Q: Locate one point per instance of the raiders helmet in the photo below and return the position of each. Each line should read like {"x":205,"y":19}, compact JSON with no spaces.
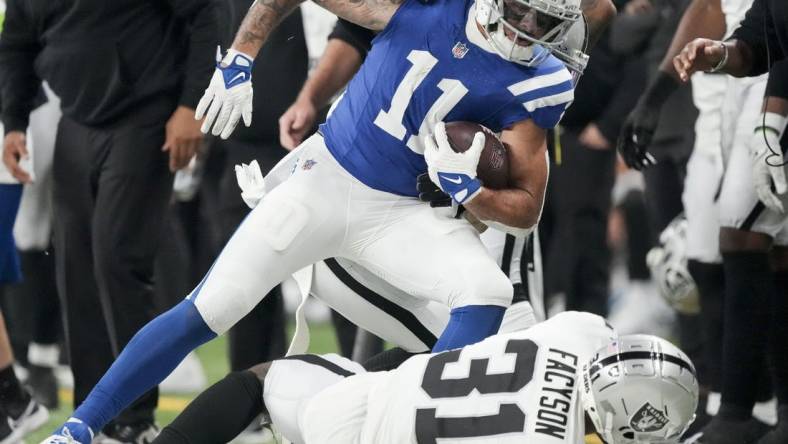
{"x":640,"y":389}
{"x":668,"y":264}
{"x":526,"y":31}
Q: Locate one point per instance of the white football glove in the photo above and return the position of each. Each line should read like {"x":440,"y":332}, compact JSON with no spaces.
{"x":251,"y":181}
{"x":768,"y":165}
{"x":454,"y":173}
{"x":229,"y":95}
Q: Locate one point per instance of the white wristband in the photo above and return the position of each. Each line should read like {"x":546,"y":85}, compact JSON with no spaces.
{"x":774,"y":121}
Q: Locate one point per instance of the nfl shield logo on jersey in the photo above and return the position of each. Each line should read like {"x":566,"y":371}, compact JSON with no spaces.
{"x":459,"y":50}
{"x":648,"y":419}
{"x":308,"y":164}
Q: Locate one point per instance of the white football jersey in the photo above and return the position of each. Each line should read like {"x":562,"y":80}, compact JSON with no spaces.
{"x":734,"y":11}
{"x":510,"y":388}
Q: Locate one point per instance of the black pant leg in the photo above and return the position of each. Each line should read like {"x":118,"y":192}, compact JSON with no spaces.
{"x":87,"y":340}
{"x":132,"y":193}
{"x":664,"y":186}
{"x":638,"y":235}
{"x":578,"y":261}
{"x":31,"y":306}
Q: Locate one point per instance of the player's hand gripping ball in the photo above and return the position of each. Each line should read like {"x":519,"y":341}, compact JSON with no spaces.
{"x":461,"y":156}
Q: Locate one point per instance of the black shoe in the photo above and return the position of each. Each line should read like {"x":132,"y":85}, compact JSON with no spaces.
{"x":726,"y":431}
{"x":43,"y":386}
{"x":138,"y":433}
{"x":28,"y":419}
{"x":779,"y":434}
{"x":7,"y":434}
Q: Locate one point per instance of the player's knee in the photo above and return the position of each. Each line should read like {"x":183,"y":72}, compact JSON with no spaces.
{"x":485,"y":289}
{"x":222,"y":305}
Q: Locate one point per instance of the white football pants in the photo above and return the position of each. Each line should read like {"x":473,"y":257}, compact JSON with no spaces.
{"x":320,"y":211}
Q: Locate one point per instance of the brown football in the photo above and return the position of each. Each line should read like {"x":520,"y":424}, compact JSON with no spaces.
{"x":493,"y":169}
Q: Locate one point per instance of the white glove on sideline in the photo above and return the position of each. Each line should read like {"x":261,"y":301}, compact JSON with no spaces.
{"x":454,"y":173}
{"x":768,"y":164}
{"x":229,"y":95}
{"x":251,"y":181}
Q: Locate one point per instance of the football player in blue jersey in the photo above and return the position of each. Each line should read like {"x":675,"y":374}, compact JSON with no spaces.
{"x":350,"y":191}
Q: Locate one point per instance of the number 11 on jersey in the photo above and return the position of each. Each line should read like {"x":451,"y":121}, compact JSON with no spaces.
{"x":452,"y":91}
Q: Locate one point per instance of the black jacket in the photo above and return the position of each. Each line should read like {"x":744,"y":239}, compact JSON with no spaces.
{"x":106,"y":59}
{"x":765,"y":30}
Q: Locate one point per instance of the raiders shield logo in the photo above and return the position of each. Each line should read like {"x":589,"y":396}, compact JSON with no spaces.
{"x":648,"y":419}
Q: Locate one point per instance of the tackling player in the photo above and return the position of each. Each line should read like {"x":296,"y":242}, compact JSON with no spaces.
{"x":543,"y":385}
{"x":352,"y":191}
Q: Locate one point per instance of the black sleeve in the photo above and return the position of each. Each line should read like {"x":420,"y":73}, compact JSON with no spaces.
{"x":354,"y":35}
{"x":778,"y":80}
{"x":624,"y":98}
{"x":757,"y":31}
{"x":18,"y":49}
{"x":203,"y":34}
{"x":631,"y":34}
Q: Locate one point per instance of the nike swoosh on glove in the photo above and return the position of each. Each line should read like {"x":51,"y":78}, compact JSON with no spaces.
{"x":768,"y":164}
{"x":229,"y":95}
{"x":74,"y":431}
{"x":251,"y":181}
{"x":454,"y":173}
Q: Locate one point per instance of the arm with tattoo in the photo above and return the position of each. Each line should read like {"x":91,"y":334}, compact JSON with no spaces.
{"x":265,"y":15}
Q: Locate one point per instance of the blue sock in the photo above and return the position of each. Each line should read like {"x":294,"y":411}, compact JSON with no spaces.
{"x":468,"y":325}
{"x":10,"y":195}
{"x":150,"y":356}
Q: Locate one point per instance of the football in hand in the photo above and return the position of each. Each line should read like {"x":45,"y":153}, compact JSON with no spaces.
{"x":493,"y":169}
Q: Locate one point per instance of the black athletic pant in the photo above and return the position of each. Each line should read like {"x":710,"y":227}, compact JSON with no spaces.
{"x":578,"y":202}
{"x":260,"y":335}
{"x":31,"y":307}
{"x":111,"y":189}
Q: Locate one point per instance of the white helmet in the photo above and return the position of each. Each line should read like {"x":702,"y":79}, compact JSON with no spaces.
{"x":668,"y":265}
{"x":573,"y":49}
{"x":640,"y":389}
{"x":552,"y":17}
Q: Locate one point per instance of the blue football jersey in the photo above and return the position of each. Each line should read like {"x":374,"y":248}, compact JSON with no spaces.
{"x":431,"y":63}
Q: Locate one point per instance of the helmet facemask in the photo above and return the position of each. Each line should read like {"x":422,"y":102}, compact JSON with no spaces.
{"x":525,"y":31}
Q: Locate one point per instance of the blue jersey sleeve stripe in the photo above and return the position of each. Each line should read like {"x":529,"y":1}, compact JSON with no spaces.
{"x":553,"y":100}
{"x":539,"y":82}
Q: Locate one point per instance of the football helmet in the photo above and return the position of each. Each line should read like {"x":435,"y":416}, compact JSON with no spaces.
{"x":668,"y":264}
{"x":572,"y":51}
{"x":640,"y":389}
{"x":525,"y":31}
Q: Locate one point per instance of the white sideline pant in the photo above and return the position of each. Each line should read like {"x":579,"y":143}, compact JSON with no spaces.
{"x":739,"y":204}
